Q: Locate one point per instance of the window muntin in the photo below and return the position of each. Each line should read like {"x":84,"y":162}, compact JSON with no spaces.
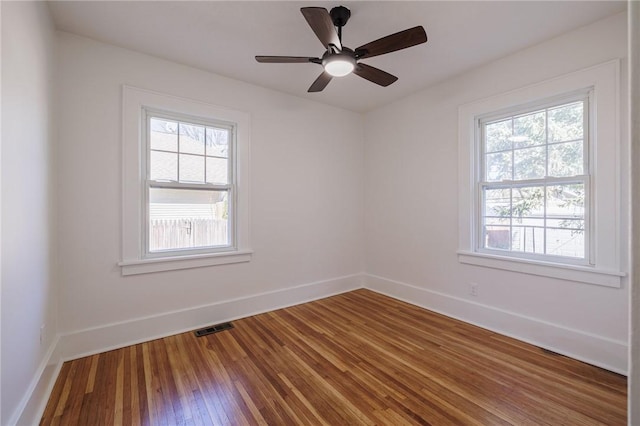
{"x":189,"y":185}
{"x":534,"y":182}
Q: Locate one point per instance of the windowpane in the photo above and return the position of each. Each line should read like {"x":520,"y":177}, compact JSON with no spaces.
{"x":497,"y":237}
{"x":191,"y":168}
{"x":498,"y":136}
{"x":566,"y":201}
{"x":218,"y":142}
{"x":498,"y":166}
{"x":497,"y":203}
{"x":217,"y":170}
{"x":528,"y":202}
{"x":566,"y":122}
{"x":528,"y":236}
{"x":529,"y":130}
{"x":529,"y":163}
{"x":191,"y":139}
{"x":565,"y":242}
{"x":163,"y":134}
{"x":566,"y":159}
{"x":565,"y":220}
{"x":185,"y":219}
{"x":163,"y":166}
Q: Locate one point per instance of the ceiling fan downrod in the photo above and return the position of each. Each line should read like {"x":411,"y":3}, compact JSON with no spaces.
{"x":339,"y":16}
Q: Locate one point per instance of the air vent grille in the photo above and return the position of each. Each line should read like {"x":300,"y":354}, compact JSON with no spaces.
{"x":213,"y":329}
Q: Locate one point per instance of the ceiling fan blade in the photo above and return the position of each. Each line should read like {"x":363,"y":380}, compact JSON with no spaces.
{"x":320,"y":83}
{"x":286,"y":59}
{"x":321,"y":23}
{"x":374,"y":74}
{"x":393,"y":42}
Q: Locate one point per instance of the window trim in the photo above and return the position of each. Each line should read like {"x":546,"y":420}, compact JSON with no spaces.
{"x":586,"y":97}
{"x":604,"y":145}
{"x":134,"y":258}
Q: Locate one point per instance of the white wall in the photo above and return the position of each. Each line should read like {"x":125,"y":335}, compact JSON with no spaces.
{"x":306,"y":194}
{"x":28,"y":290}
{"x":412,"y":218}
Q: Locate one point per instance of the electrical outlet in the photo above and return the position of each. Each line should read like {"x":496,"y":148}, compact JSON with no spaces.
{"x":473,"y":289}
{"x":42,"y":330}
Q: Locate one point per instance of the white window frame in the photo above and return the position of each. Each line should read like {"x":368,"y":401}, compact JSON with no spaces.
{"x":136,"y":258}
{"x":584,"y":96}
{"x":149,"y":183}
{"x":603,"y":258}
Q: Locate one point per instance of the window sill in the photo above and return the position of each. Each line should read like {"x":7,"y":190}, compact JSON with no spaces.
{"x":583,"y":274}
{"x":145,"y":266}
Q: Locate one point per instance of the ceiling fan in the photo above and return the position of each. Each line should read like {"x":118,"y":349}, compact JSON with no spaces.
{"x":339,"y":60}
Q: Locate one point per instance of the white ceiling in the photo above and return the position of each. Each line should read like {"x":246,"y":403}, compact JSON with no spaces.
{"x":224,"y":36}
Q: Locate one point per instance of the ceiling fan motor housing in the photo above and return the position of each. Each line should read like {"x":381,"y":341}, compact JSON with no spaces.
{"x":340,"y":15}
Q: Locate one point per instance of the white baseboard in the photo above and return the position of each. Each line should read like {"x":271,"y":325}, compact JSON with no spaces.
{"x":590,"y":348}
{"x":91,"y":341}
{"x":35,"y":399}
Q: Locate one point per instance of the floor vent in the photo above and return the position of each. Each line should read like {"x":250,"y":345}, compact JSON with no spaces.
{"x":213,"y":329}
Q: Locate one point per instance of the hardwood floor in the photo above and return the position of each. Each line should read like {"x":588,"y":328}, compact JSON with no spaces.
{"x":356,"y":358}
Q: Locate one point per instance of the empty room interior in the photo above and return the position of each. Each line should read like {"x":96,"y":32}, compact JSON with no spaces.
{"x":296,"y":212}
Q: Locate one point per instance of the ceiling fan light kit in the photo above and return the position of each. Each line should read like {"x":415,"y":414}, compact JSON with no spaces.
{"x":339,"y":64}
{"x":339,"y":61}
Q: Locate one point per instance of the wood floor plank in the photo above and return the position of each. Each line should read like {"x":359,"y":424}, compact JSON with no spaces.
{"x":76,"y":397}
{"x":356,"y":358}
{"x":49,"y":411}
{"x":66,"y":389}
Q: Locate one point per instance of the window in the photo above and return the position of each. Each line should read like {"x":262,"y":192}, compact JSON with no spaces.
{"x":534,"y":182}
{"x":189,"y":186}
{"x":539,"y":179}
{"x":185,"y":183}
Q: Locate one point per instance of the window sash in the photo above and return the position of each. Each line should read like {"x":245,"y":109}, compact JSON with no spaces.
{"x":482,"y":187}
{"x":150,"y":113}
{"x":198,"y":249}
{"x":582,"y":96}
